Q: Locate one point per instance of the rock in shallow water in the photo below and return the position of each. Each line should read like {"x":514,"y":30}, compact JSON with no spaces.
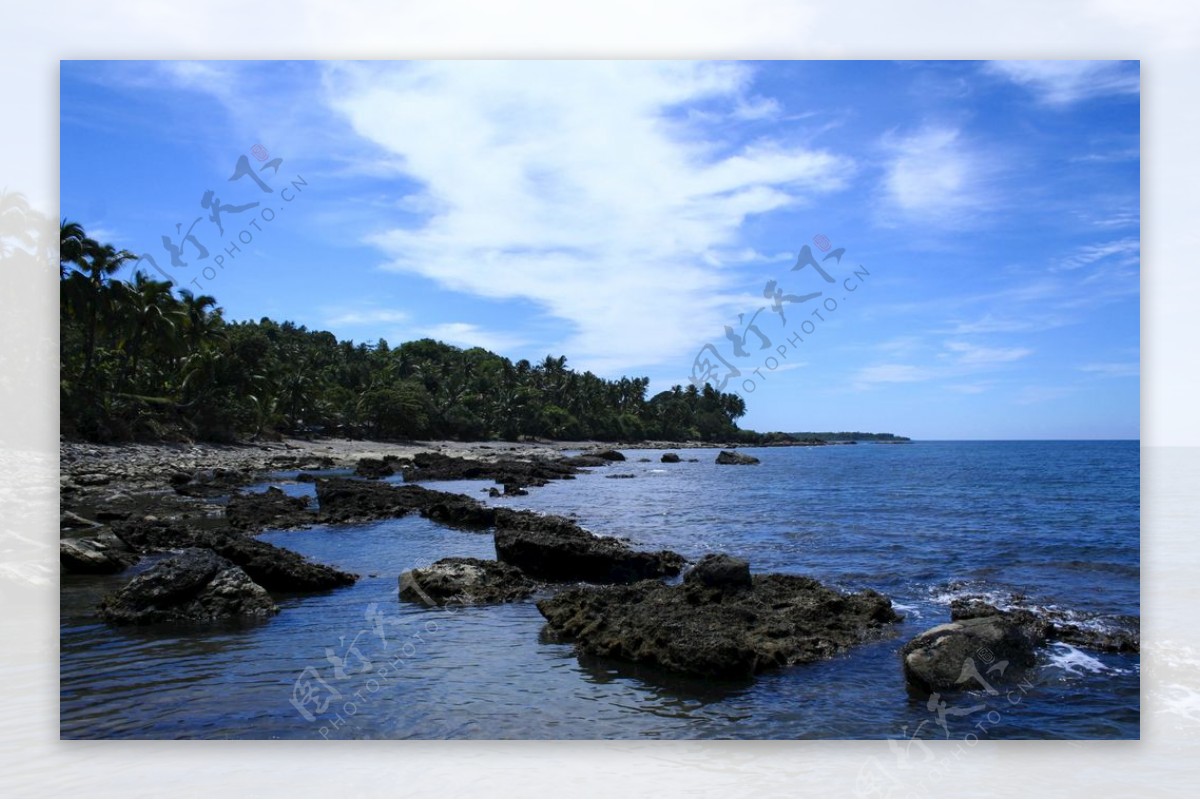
{"x":270,"y":509}
{"x":715,"y":626}
{"x":730,"y":457}
{"x":464,"y":581}
{"x":554,"y":548}
{"x":954,"y":655}
{"x":195,"y":586}
{"x":104,"y":553}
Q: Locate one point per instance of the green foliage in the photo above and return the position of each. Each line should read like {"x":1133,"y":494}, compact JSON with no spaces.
{"x":140,"y":361}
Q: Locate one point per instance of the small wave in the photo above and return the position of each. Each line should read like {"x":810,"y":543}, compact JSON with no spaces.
{"x":1074,"y":661}
{"x":907,"y":610}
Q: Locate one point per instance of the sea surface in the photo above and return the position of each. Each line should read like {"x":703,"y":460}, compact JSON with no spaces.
{"x":1042,"y":524}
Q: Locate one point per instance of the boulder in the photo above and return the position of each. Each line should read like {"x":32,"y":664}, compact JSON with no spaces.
{"x":272,"y":509}
{"x":721,"y":571}
{"x":670,"y":458}
{"x":464,"y":581}
{"x":554,"y":548}
{"x":585,"y":461}
{"x":732,"y":457}
{"x":70,"y":521}
{"x":275,"y":568}
{"x":195,"y":586}
{"x":942,"y":658}
{"x":606,"y":455}
{"x":210,"y":482}
{"x":724,"y":630}
{"x":103,"y":553}
{"x":375,"y":467}
{"x":1110,"y":635}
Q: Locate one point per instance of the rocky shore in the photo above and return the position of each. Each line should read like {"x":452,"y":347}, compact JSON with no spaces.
{"x":121,"y":504}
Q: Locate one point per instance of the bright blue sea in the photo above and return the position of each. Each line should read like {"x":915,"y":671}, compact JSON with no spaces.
{"x":923,"y":522}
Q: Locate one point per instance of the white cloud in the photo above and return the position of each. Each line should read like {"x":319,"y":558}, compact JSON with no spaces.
{"x":1060,"y":83}
{"x":370,"y":316}
{"x":1114,"y":369}
{"x":890,"y":373}
{"x":575,"y":185}
{"x":965,"y":354}
{"x":465,"y":334}
{"x":933,"y":175}
{"x":991,"y":323}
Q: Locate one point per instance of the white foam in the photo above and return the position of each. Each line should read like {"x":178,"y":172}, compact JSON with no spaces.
{"x":1076,"y":662}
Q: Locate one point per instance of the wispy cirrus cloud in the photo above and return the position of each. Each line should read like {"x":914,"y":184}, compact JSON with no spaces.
{"x":1113,"y":369}
{"x":1126,"y":251}
{"x":1061,"y":83}
{"x":581,"y":188}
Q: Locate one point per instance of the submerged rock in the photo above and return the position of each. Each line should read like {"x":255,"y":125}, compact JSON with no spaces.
{"x":103,"y":553}
{"x":731,"y":457}
{"x":714,"y":624}
{"x":553,"y":548}
{"x":195,"y":586}
{"x":464,"y":581}
{"x":271,"y":509}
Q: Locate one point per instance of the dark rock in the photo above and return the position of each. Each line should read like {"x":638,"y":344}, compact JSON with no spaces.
{"x":943,"y":658}
{"x":464,"y":581}
{"x":103,"y":553}
{"x":514,"y":490}
{"x":621,"y":475}
{"x":728,"y":632}
{"x":375,"y":468}
{"x":493,"y":492}
{"x":212,"y":482}
{"x":270,"y":509}
{"x":195,"y":586}
{"x":275,"y":568}
{"x":721,"y":571}
{"x":643,"y":461}
{"x":505,"y":471}
{"x":346,"y":500}
{"x":693,"y":461}
{"x":1109,"y":635}
{"x":70,"y":521}
{"x":585,"y":461}
{"x":607,"y":455}
{"x":554,"y":548}
{"x":670,"y":458}
{"x":306,"y":477}
{"x":731,"y":457}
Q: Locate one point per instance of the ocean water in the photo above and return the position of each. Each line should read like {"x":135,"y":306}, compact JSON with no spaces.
{"x":1054,"y":523}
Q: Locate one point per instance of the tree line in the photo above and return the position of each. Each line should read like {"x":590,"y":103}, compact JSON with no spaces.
{"x":141,"y":360}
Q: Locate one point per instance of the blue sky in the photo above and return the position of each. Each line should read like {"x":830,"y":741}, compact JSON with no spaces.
{"x":624,"y":213}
